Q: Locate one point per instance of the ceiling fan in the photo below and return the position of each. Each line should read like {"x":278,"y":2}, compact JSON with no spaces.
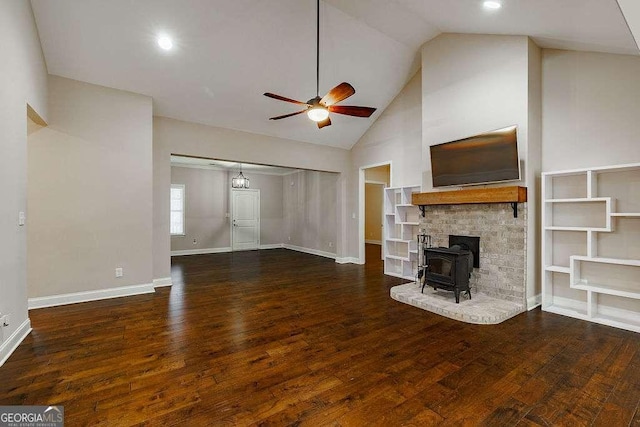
{"x":317,"y":108}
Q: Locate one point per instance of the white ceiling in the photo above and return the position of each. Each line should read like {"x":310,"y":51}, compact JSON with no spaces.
{"x":229,"y":52}
{"x":201,"y":163}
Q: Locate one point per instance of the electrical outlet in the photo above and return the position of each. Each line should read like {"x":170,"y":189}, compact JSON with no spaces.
{"x":330,"y":244}
{"x":6,"y":320}
{"x":21,"y":218}
{"x":119,"y":272}
{"x":289,"y":238}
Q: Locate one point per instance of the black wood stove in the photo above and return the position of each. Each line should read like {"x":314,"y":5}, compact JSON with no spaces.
{"x":450,"y":268}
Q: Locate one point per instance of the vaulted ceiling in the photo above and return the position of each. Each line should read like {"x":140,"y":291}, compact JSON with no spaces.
{"x":228,"y":53}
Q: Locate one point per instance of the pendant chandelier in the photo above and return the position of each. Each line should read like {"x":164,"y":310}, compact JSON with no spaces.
{"x":240,"y":181}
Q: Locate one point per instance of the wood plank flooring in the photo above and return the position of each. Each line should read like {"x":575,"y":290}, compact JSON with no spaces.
{"x":277,"y":337}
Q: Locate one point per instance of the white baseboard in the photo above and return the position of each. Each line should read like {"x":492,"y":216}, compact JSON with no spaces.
{"x":272,"y":246}
{"x":200,"y":251}
{"x":76,"y":297}
{"x":348,"y":260}
{"x":374,"y":242}
{"x":534,"y":301}
{"x":163,"y":281}
{"x":10,"y":344}
{"x":310,"y":251}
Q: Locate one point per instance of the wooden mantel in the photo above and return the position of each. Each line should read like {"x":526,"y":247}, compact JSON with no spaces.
{"x":511,"y":194}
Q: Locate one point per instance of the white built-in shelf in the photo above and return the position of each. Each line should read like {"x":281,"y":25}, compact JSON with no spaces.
{"x":564,"y":228}
{"x":579,"y":200}
{"x":629,"y":288}
{"x":602,"y":282}
{"x":557,"y":269}
{"x":604,"y":289}
{"x":618,"y":261}
{"x":401,"y":258}
{"x":400,"y":232}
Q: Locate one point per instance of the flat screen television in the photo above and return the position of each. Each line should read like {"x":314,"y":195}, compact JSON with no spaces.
{"x":481,"y":159}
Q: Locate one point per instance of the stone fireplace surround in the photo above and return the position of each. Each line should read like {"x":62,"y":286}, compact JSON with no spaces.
{"x":500,"y":281}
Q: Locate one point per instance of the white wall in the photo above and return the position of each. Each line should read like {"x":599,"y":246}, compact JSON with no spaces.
{"x":177,"y":137}
{"x":23,"y":80}
{"x":591,"y":109}
{"x":90,"y":191}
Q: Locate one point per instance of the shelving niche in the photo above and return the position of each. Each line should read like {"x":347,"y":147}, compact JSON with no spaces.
{"x":401,"y":221}
{"x":591,"y":244}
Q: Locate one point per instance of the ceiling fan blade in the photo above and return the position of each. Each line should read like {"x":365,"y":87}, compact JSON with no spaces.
{"x":337,"y":94}
{"x":352,"y":110}
{"x":282,"y":98}
{"x":287,"y":115}
{"x":325,"y":122}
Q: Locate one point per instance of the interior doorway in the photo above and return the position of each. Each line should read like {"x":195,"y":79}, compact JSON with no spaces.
{"x":373,"y":180}
{"x":245,"y":219}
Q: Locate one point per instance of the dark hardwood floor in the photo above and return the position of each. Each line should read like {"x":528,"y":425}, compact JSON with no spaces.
{"x":278,"y":337}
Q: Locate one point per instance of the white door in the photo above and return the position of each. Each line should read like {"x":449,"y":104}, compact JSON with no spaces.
{"x":245,"y":219}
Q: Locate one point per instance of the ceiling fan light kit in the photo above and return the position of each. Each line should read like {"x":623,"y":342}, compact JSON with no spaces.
{"x":318,"y":114}
{"x":317,"y":108}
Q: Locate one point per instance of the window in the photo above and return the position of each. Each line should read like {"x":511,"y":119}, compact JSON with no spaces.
{"x":177,"y":210}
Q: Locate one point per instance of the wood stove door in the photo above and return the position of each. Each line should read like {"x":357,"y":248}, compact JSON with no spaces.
{"x":441,"y":268}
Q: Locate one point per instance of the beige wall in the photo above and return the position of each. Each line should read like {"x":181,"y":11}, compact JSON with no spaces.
{"x":373,"y":201}
{"x":396,"y":137}
{"x":207,"y":204}
{"x":177,"y":137}
{"x":379,"y":174}
{"x":532,"y":170}
{"x":473,"y":84}
{"x":476,"y":83}
{"x":310,"y":214}
{"x":23,"y":79}
{"x":590,"y":109}
{"x":90,"y":191}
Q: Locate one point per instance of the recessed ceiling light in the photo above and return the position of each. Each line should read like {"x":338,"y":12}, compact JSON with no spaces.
{"x":492,"y":5}
{"x":165,"y":42}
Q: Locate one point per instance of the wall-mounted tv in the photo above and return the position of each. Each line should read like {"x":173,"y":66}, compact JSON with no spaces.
{"x":480,"y":159}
